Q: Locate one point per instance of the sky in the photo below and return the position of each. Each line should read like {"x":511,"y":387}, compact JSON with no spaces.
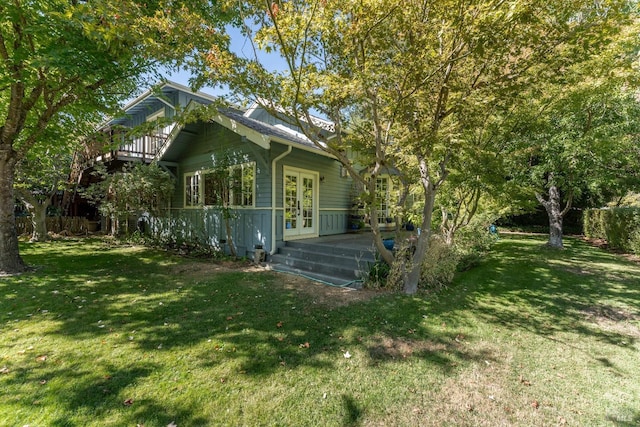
{"x":241,"y":46}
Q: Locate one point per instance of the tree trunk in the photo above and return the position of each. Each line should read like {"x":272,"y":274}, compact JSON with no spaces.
{"x":413,"y":273}
{"x":10,"y":260}
{"x":38,"y":210}
{"x":227,"y":225}
{"x":555,"y":214}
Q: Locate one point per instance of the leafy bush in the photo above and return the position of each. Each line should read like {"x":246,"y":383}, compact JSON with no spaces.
{"x":377,"y":275}
{"x":121,"y":196}
{"x":472,"y":244}
{"x":616,"y":225}
{"x":440,"y":265}
{"x":441,"y":261}
{"x":437,"y":270}
{"x":634,"y":241}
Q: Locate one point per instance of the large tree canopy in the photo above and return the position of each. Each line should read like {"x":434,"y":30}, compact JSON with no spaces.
{"x":577,"y":135}
{"x":65,"y":57}
{"x":409,"y":82}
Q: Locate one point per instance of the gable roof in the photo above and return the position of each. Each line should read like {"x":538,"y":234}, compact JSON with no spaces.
{"x":162,"y":93}
{"x":276,"y":133}
{"x":236,"y":120}
{"x":260,"y":103}
{"x":259,"y":133}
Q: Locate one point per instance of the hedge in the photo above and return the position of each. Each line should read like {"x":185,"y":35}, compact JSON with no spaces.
{"x":620,"y":227}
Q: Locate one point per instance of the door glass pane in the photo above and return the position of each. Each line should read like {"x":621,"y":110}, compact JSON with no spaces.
{"x":291,"y":202}
{"x":307,"y":202}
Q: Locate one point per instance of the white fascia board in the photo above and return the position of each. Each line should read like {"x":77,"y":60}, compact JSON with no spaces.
{"x":303,"y":147}
{"x":177,"y":128}
{"x":170,"y":84}
{"x":252,"y":135}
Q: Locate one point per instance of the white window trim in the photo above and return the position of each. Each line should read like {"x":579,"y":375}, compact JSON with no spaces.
{"x":201,"y":183}
{"x":388,"y":196}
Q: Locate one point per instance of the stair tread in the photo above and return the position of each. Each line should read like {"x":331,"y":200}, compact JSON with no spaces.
{"x":319,"y":277}
{"x":348,"y":269}
{"x":329,"y":263}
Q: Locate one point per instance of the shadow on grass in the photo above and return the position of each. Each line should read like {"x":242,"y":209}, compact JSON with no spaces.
{"x":79,"y":394}
{"x":353,"y":412}
{"x":136,"y":302}
{"x":139,"y":299}
{"x":634,"y":422}
{"x":547,"y":292}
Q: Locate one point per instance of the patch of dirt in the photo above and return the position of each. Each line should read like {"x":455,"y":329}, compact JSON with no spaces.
{"x":399,"y":348}
{"x":614,"y":320}
{"x":318,"y":293}
{"x":607,"y":313}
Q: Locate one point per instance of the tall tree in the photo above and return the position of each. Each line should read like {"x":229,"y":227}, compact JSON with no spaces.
{"x":415,"y":73}
{"x":577,"y":135}
{"x":58,"y":57}
{"x":577,"y":143}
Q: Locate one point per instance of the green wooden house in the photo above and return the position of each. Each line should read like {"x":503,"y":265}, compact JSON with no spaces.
{"x":282,"y":188}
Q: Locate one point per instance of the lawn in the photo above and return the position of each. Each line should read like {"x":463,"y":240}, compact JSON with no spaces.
{"x":107,"y":335}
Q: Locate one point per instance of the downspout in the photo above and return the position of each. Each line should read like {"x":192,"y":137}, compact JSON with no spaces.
{"x":273,"y":197}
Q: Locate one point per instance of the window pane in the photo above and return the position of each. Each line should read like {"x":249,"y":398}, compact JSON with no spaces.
{"x":247,"y":185}
{"x":211,"y":190}
{"x":291,"y":198}
{"x":192,"y":190}
{"x":242,"y":184}
{"x":382,"y":195}
{"x":236,"y":186}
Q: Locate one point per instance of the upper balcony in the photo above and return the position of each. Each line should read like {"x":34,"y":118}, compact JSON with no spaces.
{"x":139,"y":148}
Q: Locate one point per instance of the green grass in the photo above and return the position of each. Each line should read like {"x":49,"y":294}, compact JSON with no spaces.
{"x":101,"y":335}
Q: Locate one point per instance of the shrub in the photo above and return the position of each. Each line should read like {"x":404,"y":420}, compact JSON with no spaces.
{"x":377,"y":275}
{"x":634,"y":241}
{"x":616,"y":225}
{"x":472,"y":244}
{"x":440,"y":265}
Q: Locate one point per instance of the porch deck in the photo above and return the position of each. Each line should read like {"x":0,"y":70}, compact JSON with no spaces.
{"x":338,"y":260}
{"x":362,"y":241}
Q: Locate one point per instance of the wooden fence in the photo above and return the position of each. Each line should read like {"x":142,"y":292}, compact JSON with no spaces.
{"x":58,"y":224}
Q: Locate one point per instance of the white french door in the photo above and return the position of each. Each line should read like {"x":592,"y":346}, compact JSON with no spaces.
{"x":300,"y":203}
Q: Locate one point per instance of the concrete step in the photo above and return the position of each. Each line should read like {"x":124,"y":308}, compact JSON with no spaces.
{"x":327,"y":257}
{"x":347,"y":271}
{"x":330,"y":263}
{"x":336,"y":249}
{"x":318,"y":277}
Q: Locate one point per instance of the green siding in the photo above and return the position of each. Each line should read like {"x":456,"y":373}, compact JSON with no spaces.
{"x":252,"y":226}
{"x":213,"y":141}
{"x":207,"y":227}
